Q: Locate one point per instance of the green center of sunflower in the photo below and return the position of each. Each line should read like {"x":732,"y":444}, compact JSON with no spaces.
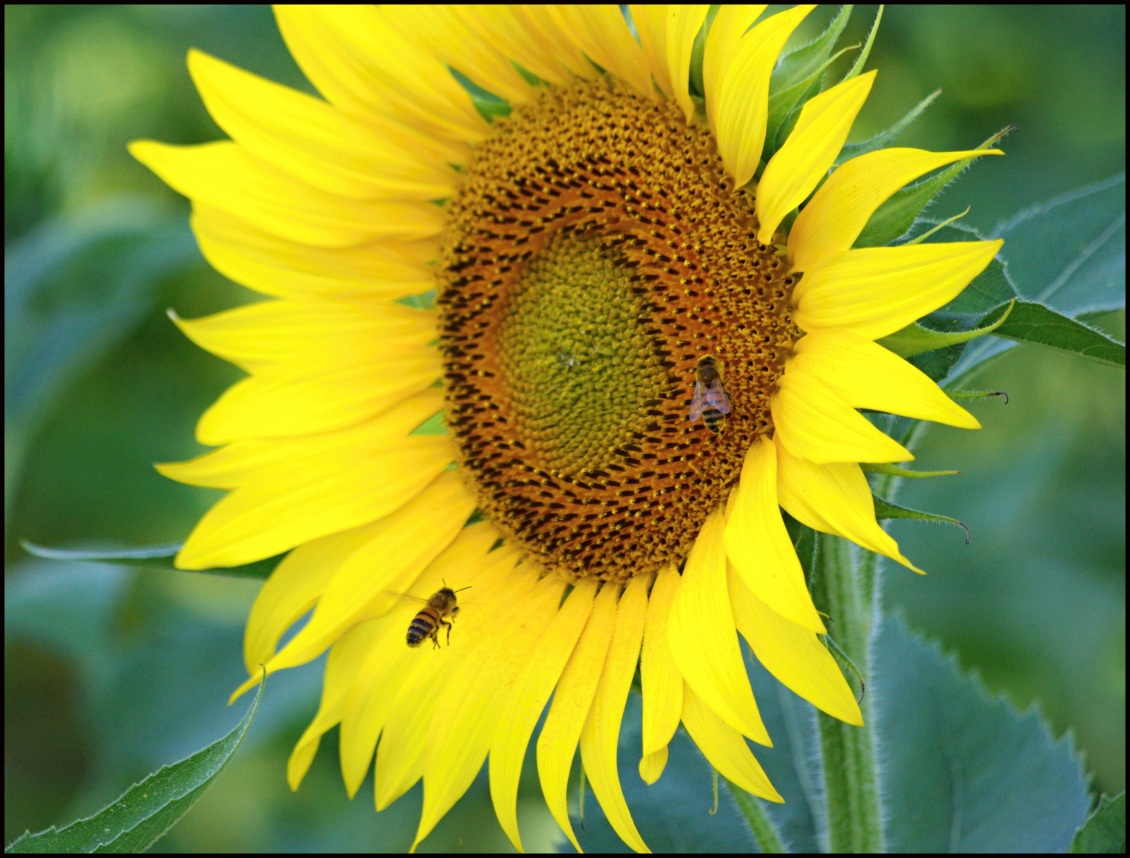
{"x":600,"y":286}
{"x":579,"y":368}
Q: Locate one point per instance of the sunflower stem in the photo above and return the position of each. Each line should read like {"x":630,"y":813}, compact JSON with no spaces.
{"x":851,"y":775}
{"x":764,"y":832}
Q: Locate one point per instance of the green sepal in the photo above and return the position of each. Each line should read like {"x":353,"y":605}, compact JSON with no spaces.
{"x":896,"y":471}
{"x":887,"y":510}
{"x":1035,"y":323}
{"x":797,"y":78}
{"x":977,"y":394}
{"x":150,"y":557}
{"x":916,"y":339}
{"x":143,"y":813}
{"x":1105,"y":830}
{"x":886,"y":137}
{"x":897,"y":215}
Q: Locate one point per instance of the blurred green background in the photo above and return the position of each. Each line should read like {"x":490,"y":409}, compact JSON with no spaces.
{"x":110,"y":673}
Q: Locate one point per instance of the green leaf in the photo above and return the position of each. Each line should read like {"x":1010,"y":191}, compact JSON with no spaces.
{"x":1035,"y":323}
{"x":1067,"y":255}
{"x":142,"y":815}
{"x":1070,"y":252}
{"x":1105,"y":831}
{"x":964,"y":772}
{"x":150,"y":557}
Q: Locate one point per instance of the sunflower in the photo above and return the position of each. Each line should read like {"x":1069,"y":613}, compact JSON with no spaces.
{"x":551,"y":328}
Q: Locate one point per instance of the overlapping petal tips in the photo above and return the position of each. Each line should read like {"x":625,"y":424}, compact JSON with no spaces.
{"x":228,"y":177}
{"x":394,"y":675}
{"x":365,"y":473}
{"x":838,"y":211}
{"x":736,"y":68}
{"x":815,"y":424}
{"x":370,"y":564}
{"x":600,"y":735}
{"x":660,"y":681}
{"x":346,"y":658}
{"x":794,"y":655}
{"x":271,"y":265}
{"x":315,"y":142}
{"x":561,"y":732}
{"x":866,"y":375}
{"x":702,"y":638}
{"x":420,"y":688}
{"x":316,"y":365}
{"x":875,"y":291}
{"x":334,"y":47}
{"x":526,"y":35}
{"x":834,"y":499}
{"x":724,"y":748}
{"x":667,"y":34}
{"x":601,"y":33}
{"x":456,"y":40}
{"x":544,"y":661}
{"x":811,"y":149}
{"x":475,"y":695}
{"x":758,"y":545}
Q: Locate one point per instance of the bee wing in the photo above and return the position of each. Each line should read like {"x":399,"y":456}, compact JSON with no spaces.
{"x":698,"y":402}
{"x":716,"y":397}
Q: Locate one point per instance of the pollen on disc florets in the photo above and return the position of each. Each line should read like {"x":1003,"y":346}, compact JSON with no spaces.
{"x":596,"y":252}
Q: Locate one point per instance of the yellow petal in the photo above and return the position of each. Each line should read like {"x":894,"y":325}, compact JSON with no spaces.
{"x":459,"y":43}
{"x":364,"y":473}
{"x":725,"y":749}
{"x":346,"y":657}
{"x":273,"y":333}
{"x":393,"y":665}
{"x":276,"y":266}
{"x":803,"y":162}
{"x":875,"y":291}
{"x":544,"y":662}
{"x":526,"y":35}
{"x":407,"y":737}
{"x":758,"y":545}
{"x":358,"y":61}
{"x":228,"y":177}
{"x":794,"y":655}
{"x":667,"y":34}
{"x":602,"y":727}
{"x":652,"y":765}
{"x":315,"y":398}
{"x":837,"y":213}
{"x":866,"y":375}
{"x":834,"y":499}
{"x":318,"y":143}
{"x":660,"y":680}
{"x":367,"y":582}
{"x":737,"y":92}
{"x":600,"y":31}
{"x":557,"y":744}
{"x":703,"y":640}
{"x":814,"y":423}
{"x":477,"y":694}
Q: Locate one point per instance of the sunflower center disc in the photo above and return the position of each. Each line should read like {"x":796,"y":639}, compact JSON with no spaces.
{"x":595,"y":255}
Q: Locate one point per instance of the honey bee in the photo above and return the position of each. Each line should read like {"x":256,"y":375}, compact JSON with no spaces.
{"x":426,"y":623}
{"x":710,"y":401}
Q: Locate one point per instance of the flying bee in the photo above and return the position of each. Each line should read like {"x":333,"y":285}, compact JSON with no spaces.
{"x":710,"y":401}
{"x":426,"y":624}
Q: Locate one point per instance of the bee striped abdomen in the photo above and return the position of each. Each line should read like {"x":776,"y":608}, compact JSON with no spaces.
{"x":423,"y":625}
